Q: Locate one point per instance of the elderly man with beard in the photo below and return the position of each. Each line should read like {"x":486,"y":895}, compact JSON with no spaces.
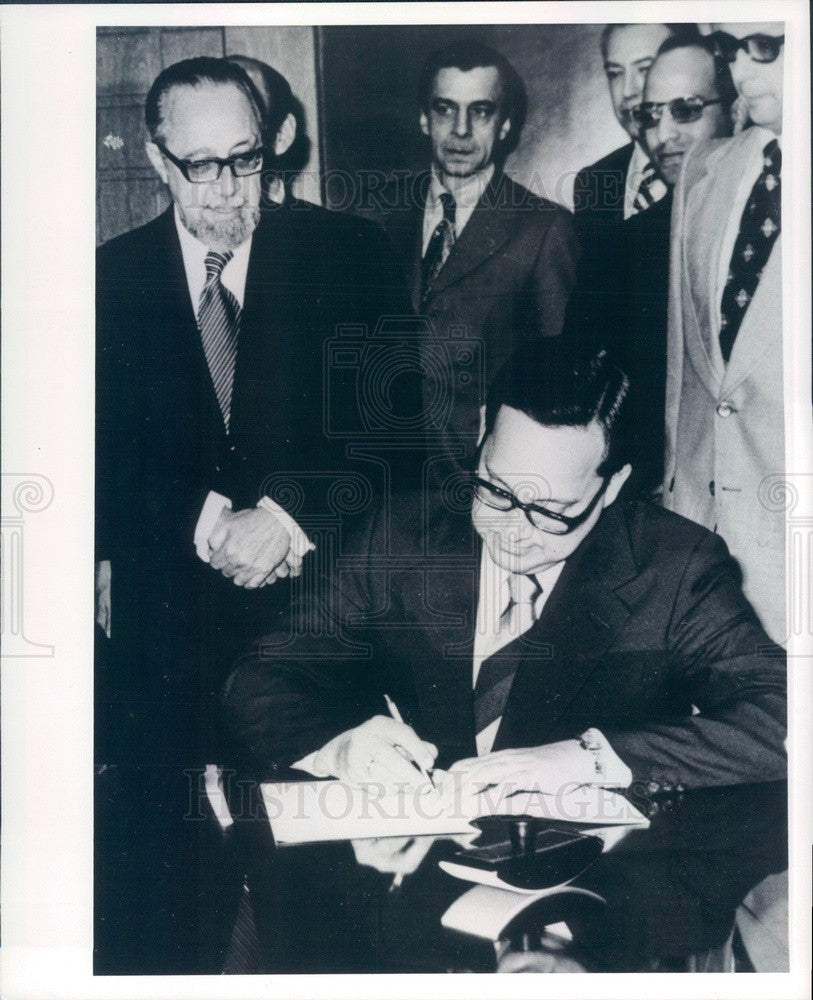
{"x":211,"y":328}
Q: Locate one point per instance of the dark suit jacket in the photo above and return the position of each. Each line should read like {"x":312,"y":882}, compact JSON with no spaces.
{"x":621,"y":302}
{"x":508,"y":276}
{"x":162,"y":444}
{"x":646,"y":620}
{"x":598,"y":190}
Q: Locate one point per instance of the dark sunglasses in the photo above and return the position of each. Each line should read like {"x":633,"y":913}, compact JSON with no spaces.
{"x":538,"y":516}
{"x":761,"y":48}
{"x":206,"y":171}
{"x":683,"y":111}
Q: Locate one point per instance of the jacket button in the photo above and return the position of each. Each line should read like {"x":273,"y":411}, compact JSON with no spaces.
{"x":725,"y":409}
{"x":711,"y":487}
{"x":653,"y":787}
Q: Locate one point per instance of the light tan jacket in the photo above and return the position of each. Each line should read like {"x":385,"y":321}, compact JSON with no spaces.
{"x":725,"y":423}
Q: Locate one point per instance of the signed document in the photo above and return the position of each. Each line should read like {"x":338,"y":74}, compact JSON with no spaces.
{"x":302,"y":812}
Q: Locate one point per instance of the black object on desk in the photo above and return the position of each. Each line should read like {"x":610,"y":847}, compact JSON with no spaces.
{"x":532,"y":857}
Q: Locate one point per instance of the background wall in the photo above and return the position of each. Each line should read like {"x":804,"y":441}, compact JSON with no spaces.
{"x":357,"y":86}
{"x":369,"y":79}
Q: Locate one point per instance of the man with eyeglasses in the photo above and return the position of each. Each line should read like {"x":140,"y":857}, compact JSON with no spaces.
{"x":623,"y":296}
{"x":724,"y":404}
{"x":211,"y":323}
{"x":624,"y":182}
{"x":539,"y":631}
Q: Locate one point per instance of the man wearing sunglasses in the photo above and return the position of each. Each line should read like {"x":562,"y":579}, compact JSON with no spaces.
{"x":624,"y":295}
{"x":539,"y":631}
{"x":724,"y":405}
{"x":624,"y":182}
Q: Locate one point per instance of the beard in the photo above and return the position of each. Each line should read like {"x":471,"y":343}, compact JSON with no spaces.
{"x":227,"y":232}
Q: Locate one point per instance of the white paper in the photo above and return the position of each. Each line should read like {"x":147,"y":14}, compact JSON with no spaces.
{"x":305,"y":812}
{"x":485,"y":911}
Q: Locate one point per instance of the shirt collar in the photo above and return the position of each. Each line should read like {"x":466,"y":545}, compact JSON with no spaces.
{"x":495,"y":582}
{"x":467,"y":193}
{"x":194,"y":253}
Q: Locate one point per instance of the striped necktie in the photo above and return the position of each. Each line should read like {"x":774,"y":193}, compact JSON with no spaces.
{"x":648,"y":190}
{"x":760,"y":225}
{"x":219,"y":325}
{"x":440,"y":244}
{"x":497,"y":673}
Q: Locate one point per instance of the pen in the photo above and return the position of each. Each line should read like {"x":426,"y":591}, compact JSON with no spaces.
{"x":393,"y":710}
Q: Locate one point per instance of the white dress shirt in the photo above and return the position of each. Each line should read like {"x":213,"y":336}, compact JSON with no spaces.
{"x":492,"y":602}
{"x":640,"y":159}
{"x":233,"y":277}
{"x":466,"y":195}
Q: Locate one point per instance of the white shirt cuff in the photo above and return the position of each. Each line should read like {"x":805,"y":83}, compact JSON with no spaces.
{"x":207,"y":519}
{"x":300,"y":543}
{"x":608,"y":770}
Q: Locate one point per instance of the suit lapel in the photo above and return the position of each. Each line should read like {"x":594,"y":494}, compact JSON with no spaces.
{"x":174,"y":313}
{"x":443,"y":677}
{"x":581,"y":619}
{"x":491,"y":225}
{"x":751,"y":342}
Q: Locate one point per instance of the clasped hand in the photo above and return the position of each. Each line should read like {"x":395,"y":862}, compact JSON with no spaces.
{"x":252,"y":547}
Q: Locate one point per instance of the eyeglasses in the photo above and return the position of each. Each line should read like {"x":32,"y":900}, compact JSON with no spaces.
{"x":761,"y":48}
{"x":206,"y":171}
{"x":538,"y":516}
{"x":683,"y":111}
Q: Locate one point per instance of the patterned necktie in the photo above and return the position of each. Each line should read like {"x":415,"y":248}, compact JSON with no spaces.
{"x":440,"y":244}
{"x":760,"y":225}
{"x":649,"y":190}
{"x":219,"y":324}
{"x":497,"y":673}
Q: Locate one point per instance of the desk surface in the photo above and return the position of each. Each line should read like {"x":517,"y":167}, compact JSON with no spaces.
{"x":671,"y":891}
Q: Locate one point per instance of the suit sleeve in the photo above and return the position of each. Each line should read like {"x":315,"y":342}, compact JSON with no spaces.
{"x":308,"y":678}
{"x":724,"y":663}
{"x":555,"y":273}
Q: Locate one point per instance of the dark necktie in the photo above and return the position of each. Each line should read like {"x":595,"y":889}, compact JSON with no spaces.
{"x":646,"y":196}
{"x":219,"y":324}
{"x":760,"y":225}
{"x":497,"y":673}
{"x":440,"y":244}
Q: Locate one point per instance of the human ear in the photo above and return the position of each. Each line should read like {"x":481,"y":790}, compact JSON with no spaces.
{"x":505,"y":128}
{"x":424,"y":123}
{"x":285,"y":136}
{"x":157,"y":160}
{"x":617,"y":481}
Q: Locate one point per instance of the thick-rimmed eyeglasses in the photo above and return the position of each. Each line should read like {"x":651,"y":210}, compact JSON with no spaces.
{"x":761,"y":48}
{"x":206,"y":171}
{"x":682,"y":110}
{"x":538,"y":516}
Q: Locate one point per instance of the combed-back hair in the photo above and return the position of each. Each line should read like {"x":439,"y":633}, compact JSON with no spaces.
{"x":193,"y":73}
{"x":563,"y":387}
{"x":726,"y":90}
{"x":466,"y":55}
{"x":687,"y":30}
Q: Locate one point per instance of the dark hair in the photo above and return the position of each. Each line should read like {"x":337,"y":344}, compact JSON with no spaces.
{"x":726,"y":90}
{"x":685,"y":30}
{"x":466,"y":55}
{"x":192,"y":73}
{"x":562,"y":387}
